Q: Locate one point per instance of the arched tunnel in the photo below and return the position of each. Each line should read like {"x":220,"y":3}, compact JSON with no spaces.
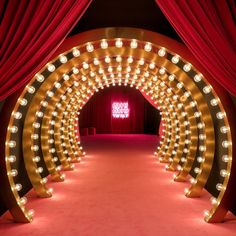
{"x":42,"y":136}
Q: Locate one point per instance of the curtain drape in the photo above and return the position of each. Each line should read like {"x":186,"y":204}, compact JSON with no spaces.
{"x":208,"y":30}
{"x":30,"y":32}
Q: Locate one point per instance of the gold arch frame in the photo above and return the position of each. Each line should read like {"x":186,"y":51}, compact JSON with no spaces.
{"x":194,"y":117}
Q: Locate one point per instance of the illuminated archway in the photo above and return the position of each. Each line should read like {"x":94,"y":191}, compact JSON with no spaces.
{"x":196,"y":129}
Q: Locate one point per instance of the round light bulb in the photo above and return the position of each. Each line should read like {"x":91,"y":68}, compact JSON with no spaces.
{"x":75,"y":52}
{"x":134,"y":43}
{"x":13,"y":129}
{"x":148,"y":47}
{"x":197,"y":78}
{"x":224,"y":173}
{"x":51,"y":67}
{"x":224,"y":129}
{"x":11,"y":144}
{"x":18,"y":187}
{"x":89,"y":47}
{"x":175,"y":59}
{"x":14,"y":172}
{"x":23,"y":102}
{"x":11,"y":158}
{"x":220,"y":115}
{"x":17,"y":115}
{"x":219,"y":187}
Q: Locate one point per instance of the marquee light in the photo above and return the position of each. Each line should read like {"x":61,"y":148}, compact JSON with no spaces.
{"x":120,"y":110}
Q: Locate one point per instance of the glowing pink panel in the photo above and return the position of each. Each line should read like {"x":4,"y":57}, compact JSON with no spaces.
{"x":120,"y":110}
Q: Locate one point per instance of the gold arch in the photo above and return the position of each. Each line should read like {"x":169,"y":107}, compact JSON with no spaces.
{"x":194,"y":117}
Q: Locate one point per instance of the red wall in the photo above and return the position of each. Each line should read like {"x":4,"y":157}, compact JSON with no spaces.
{"x":98,"y":112}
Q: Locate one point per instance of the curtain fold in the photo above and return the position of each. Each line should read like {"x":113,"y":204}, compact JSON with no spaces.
{"x":30,"y":32}
{"x":208,"y":30}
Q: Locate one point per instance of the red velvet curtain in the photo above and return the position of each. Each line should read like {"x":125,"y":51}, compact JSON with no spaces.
{"x":208,"y":30}
{"x":30,"y":32}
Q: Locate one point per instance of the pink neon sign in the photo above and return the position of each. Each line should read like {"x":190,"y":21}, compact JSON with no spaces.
{"x":120,"y":110}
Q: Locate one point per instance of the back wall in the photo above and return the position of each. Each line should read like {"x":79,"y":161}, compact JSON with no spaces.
{"x":143,"y":117}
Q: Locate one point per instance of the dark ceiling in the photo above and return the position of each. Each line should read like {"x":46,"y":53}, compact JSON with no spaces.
{"x":125,"y":13}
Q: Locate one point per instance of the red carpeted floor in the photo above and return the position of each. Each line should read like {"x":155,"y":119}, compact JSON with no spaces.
{"x":119,"y":189}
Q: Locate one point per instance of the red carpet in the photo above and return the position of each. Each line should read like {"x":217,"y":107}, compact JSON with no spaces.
{"x":119,"y":189}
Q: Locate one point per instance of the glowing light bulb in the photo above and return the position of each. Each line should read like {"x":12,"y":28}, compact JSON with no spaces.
{"x":197,"y":78}
{"x":39,"y":170}
{"x":11,"y":144}
{"x":75,"y":70}
{"x":39,"y":113}
{"x":224,"y":129}
{"x":57,"y":85}
{"x":202,"y":137}
{"x":30,"y":89}
{"x":225,"y":158}
{"x":107,"y":59}
{"x":187,"y":67}
{"x":207,"y":89}
{"x":202,"y":148}
{"x":148,"y":47}
{"x":51,"y":67}
{"x":23,"y":102}
{"x":226,"y":144}
{"x":18,"y":187}
{"x":175,"y":59}
{"x":200,"y":159}
{"x":104,"y":44}
{"x":214,"y":102}
{"x":36,"y":125}
{"x":11,"y":158}
{"x":224,"y":173}
{"x":23,"y":200}
{"x":214,"y":201}
{"x":66,"y":77}
{"x":44,"y":103}
{"x":31,"y":213}
{"x":89,"y":47}
{"x":193,"y":181}
{"x":62,"y":59}
{"x":52,"y":150}
{"x":180,"y":85}
{"x":162,"y":52}
{"x":44,"y":180}
{"x":134,"y":43}
{"x":50,"y":93}
{"x":118,"y":43}
{"x":171,"y":77}
{"x":162,"y":71}
{"x":17,"y":115}
{"x":36,"y":159}
{"x":200,"y":125}
{"x":75,"y":52}
{"x":186,"y":191}
{"x":206,"y":213}
{"x":35,"y":148}
{"x":179,"y":168}
{"x":130,"y":59}
{"x":14,"y":172}
{"x":13,"y":129}
{"x":197,"y":114}
{"x":219,"y":187}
